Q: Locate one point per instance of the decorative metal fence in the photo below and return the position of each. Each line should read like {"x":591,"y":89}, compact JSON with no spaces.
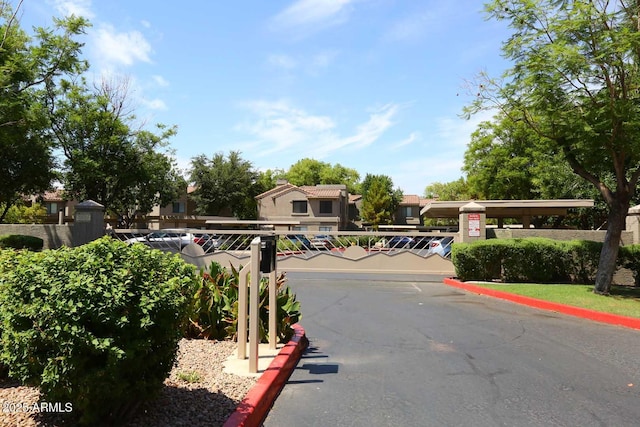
{"x":296,"y":244}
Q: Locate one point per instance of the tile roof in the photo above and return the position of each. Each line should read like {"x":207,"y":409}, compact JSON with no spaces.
{"x":312,"y":192}
{"x":410,"y":199}
{"x":318,"y":192}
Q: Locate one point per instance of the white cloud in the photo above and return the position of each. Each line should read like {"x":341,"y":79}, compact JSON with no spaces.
{"x":309,"y":64}
{"x":412,"y":27}
{"x":455,"y":132}
{"x":419,"y":24}
{"x":160,"y":81}
{"x":73,"y":7}
{"x":155,"y":104}
{"x":280,"y":126}
{"x":413,"y":137}
{"x":121,"y":48}
{"x":368,"y":132}
{"x":282,"y":61}
{"x":308,"y":16}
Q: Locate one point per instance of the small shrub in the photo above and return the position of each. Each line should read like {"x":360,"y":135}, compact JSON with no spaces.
{"x":536,"y":260}
{"x":629,"y":257}
{"x":583,"y":257}
{"x":189,"y":377}
{"x":213,"y":313}
{"x":18,"y":241}
{"x":481,"y":260}
{"x":97,"y":325}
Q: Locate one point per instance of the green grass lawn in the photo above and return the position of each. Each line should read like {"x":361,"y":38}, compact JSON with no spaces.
{"x":623,"y":300}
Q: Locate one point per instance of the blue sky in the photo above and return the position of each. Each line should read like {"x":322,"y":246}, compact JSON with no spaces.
{"x":375,"y":85}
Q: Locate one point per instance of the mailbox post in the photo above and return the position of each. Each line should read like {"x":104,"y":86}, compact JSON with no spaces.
{"x":268,"y":255}
{"x":263,"y":260}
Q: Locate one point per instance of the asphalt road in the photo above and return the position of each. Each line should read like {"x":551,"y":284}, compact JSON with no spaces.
{"x":411,"y":351}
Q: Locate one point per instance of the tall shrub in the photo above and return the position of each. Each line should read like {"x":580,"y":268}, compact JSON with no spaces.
{"x":97,"y":326}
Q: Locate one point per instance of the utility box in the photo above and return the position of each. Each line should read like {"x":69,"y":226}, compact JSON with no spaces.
{"x":267,"y":254}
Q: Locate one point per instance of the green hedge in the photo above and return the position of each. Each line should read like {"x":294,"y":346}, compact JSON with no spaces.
{"x":97,"y":326}
{"x":535,"y":260}
{"x":629,"y":257}
{"x":18,"y":241}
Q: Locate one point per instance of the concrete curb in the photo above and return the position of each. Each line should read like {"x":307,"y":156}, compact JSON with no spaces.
{"x":628,"y":322}
{"x":254,"y":407}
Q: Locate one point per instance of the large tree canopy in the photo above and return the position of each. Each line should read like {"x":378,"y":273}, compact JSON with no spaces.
{"x":26,"y":160}
{"x":575,"y":81}
{"x":379,"y":200}
{"x":507,"y":160}
{"x":225,"y":186}
{"x":313,"y":172}
{"x":105,"y":158}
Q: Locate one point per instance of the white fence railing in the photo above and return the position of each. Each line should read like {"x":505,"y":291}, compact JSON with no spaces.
{"x":297,"y":244}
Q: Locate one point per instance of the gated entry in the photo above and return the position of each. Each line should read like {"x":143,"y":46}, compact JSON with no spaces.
{"x":357,"y":252}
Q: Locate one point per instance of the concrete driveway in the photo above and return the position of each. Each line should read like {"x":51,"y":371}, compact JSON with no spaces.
{"x":411,"y":351}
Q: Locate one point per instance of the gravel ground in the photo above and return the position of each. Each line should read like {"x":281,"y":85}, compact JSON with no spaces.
{"x":197,"y":393}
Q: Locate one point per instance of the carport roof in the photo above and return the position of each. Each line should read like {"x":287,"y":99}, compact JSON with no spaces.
{"x":506,"y":208}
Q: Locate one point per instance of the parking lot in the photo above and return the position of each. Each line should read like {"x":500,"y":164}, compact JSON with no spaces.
{"x":408,"y":350}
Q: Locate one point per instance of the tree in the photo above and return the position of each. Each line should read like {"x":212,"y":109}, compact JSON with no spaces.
{"x":19,"y":213}
{"x":314,"y":172}
{"x":379,"y":200}
{"x":574,"y":81}
{"x":225,"y":185}
{"x":26,"y":159}
{"x":454,"y":190}
{"x":105,"y":160}
{"x":507,"y":160}
{"x":268,"y":179}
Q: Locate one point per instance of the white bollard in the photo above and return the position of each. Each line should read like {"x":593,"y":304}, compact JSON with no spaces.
{"x":273,"y":310}
{"x":242,"y":310}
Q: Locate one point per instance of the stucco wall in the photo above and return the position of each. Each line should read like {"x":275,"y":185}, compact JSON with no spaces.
{"x":54,"y":236}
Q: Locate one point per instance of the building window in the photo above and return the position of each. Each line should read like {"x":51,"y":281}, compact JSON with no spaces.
{"x":52,"y":208}
{"x":300,"y":206}
{"x":178,"y":207}
{"x":326,"y":206}
{"x":300,"y":228}
{"x":324,"y":228}
{"x":407,"y":211}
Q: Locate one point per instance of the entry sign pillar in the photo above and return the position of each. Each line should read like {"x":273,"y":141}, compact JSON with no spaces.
{"x":473,"y":222}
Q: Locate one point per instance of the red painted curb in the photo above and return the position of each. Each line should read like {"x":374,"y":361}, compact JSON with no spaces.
{"x":629,"y":322}
{"x":254,"y":407}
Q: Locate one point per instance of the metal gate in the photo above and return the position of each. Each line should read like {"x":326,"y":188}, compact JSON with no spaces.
{"x":354,"y":252}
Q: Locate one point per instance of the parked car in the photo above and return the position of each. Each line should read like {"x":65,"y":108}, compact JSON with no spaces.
{"x":400,"y":242}
{"x":440,"y":246}
{"x":300,"y":240}
{"x":321,"y":241}
{"x":165,"y":239}
{"x":208,"y":242}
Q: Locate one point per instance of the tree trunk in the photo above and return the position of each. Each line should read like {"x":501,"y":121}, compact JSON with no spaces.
{"x":607,"y":264}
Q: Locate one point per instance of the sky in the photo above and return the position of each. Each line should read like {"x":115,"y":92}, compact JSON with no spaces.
{"x":374,"y":85}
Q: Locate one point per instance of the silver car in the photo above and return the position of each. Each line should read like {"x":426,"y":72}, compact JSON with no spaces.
{"x":165,"y":239}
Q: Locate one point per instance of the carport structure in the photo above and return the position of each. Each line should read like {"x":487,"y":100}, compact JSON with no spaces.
{"x":500,"y":209}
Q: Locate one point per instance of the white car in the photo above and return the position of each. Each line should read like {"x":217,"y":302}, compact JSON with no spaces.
{"x":165,"y":239}
{"x":440,"y":246}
